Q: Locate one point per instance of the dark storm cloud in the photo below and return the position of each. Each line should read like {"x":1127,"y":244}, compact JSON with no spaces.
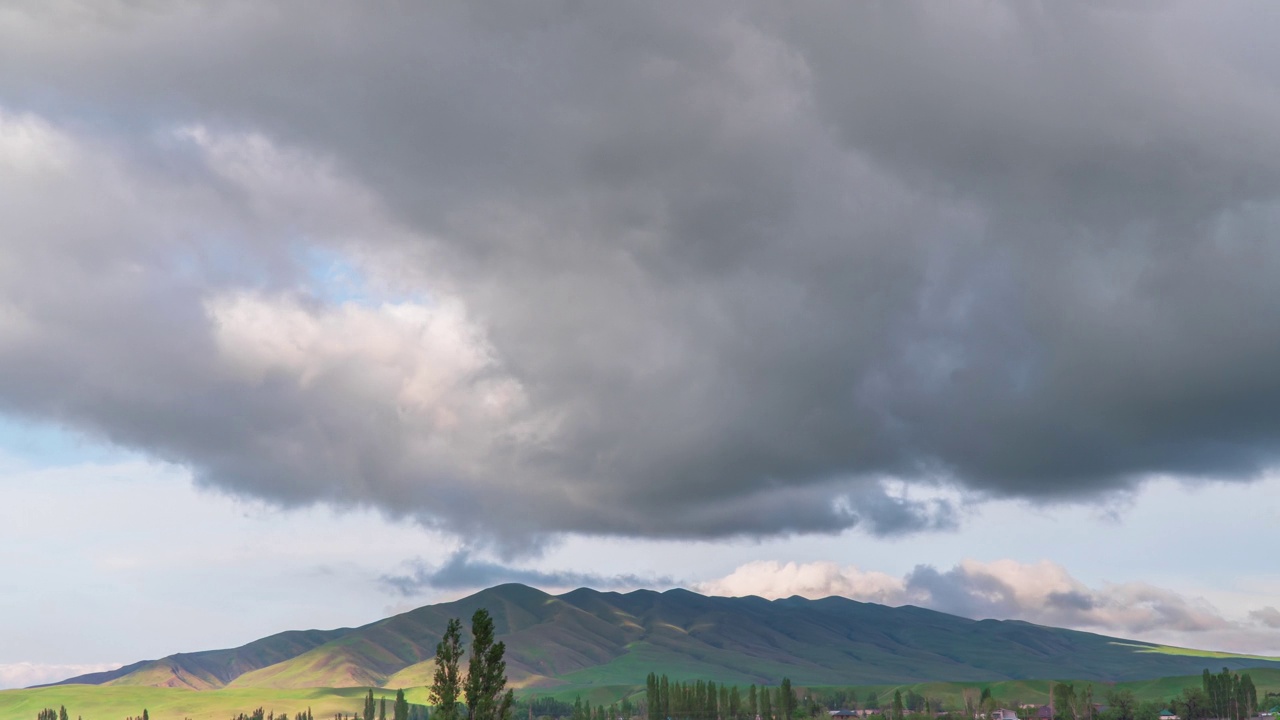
{"x":462,"y":571}
{"x":712,"y":270}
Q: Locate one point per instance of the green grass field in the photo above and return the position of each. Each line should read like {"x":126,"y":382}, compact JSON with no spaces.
{"x":97,"y":702}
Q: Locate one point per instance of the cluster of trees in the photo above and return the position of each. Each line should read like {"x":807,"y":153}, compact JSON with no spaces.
{"x":1231,"y":696}
{"x":51,"y":714}
{"x":1226,"y":695}
{"x":703,"y":700}
{"x":580,"y":709}
{"x":485,"y":689}
{"x":481,"y":695}
{"x":546,"y":707}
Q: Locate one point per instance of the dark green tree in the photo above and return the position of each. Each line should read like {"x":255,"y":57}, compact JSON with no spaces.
{"x":370,"y":706}
{"x":766,"y":704}
{"x":401,"y":711}
{"x":1122,"y":705}
{"x":651,"y":696}
{"x":487,"y":696}
{"x":446,"y":688}
{"x":897,"y":705}
{"x":1193,"y":704}
{"x":788,"y":697}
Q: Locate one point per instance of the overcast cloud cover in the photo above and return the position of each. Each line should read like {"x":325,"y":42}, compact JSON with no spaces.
{"x":648,"y":269}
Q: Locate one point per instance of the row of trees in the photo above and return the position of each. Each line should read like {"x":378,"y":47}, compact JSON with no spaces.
{"x":703,"y":700}
{"x":261,"y":714}
{"x":582,"y":710}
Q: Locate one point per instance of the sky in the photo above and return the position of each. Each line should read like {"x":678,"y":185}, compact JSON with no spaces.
{"x":313,"y":312}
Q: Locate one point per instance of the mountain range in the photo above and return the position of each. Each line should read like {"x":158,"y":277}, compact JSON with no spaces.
{"x":591,"y":638}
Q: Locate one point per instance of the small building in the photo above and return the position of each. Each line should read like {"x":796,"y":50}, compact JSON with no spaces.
{"x":1168,"y":714}
{"x":842,"y":714}
{"x":1004,"y":714}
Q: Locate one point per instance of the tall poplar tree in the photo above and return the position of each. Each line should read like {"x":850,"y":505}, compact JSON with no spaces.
{"x":652,"y":699}
{"x":401,"y":711}
{"x":664,"y":696}
{"x":447,"y":687}
{"x":369,"y":706}
{"x":487,"y":696}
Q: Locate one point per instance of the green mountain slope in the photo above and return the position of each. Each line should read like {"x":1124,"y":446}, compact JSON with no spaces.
{"x":213,"y":668}
{"x":590,"y":638}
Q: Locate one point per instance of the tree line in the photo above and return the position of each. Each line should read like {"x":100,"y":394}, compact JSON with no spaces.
{"x":704,"y":700}
{"x":579,"y":709}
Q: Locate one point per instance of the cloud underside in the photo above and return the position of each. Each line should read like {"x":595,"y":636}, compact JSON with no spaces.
{"x":1044,"y":593}
{"x":645,"y":269}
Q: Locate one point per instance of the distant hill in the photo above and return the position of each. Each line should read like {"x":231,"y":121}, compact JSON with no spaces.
{"x":591,"y":638}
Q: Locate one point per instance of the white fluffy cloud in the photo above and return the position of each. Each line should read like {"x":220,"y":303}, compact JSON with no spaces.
{"x":772,"y":579}
{"x":1043,"y":592}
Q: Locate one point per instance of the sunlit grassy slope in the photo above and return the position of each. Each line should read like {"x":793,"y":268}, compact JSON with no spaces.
{"x":115,"y":701}
{"x":587,"y":639}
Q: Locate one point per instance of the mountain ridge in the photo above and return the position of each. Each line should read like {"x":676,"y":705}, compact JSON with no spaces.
{"x":587,"y":637}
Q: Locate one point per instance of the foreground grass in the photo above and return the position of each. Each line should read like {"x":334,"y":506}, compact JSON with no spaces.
{"x":95,"y":702}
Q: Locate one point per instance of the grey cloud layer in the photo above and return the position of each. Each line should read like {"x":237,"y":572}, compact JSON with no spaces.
{"x":690,"y":271}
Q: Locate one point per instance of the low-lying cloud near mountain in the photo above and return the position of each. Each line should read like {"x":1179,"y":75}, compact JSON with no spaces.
{"x":1044,"y":593}
{"x":650,"y":269}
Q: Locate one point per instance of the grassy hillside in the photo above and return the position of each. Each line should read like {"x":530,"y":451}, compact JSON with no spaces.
{"x":111,"y":702}
{"x":586,"y":638}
